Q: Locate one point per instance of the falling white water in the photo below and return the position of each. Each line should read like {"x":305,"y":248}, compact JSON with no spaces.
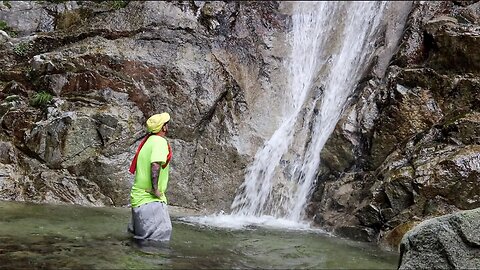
{"x":331,"y":42}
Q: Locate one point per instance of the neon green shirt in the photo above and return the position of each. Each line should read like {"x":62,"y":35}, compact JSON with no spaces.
{"x":155,"y":149}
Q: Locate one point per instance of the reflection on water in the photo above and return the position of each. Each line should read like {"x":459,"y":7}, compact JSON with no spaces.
{"x":47,"y":236}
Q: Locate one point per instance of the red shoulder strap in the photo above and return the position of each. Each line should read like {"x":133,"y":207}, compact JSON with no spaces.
{"x":169,"y":156}
{"x":133,"y":165}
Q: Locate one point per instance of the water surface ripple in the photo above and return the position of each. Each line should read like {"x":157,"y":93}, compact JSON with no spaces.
{"x":53,"y":236}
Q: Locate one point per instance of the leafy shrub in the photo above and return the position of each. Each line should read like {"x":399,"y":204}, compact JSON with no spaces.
{"x":117,"y":4}
{"x":4,"y":26}
{"x":41,"y":99}
{"x":23,"y":48}
{"x":7,"y":4}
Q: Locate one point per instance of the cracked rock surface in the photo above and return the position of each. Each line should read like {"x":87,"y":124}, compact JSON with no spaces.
{"x":108,"y":68}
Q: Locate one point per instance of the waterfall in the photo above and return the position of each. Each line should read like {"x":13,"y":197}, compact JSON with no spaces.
{"x":331,"y":42}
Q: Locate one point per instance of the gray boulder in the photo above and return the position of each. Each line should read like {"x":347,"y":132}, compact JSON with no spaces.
{"x":446,"y":242}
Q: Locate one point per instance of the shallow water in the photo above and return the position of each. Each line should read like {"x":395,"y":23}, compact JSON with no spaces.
{"x":53,"y":236}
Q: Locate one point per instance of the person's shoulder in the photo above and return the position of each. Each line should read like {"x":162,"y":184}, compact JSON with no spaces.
{"x":159,"y":139}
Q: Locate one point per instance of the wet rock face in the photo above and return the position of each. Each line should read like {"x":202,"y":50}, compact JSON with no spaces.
{"x":450,"y":241}
{"x":411,"y":143}
{"x":27,"y":179}
{"x":453,"y":45}
{"x":413,"y":50}
{"x":107,"y":68}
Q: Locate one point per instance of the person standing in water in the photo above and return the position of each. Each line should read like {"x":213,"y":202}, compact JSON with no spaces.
{"x":150,"y":218}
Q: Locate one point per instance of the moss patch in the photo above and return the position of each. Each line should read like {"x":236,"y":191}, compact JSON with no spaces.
{"x":394,"y":237}
{"x":23,"y":48}
{"x":41,"y":99}
{"x":4,"y":26}
{"x":68,"y":18}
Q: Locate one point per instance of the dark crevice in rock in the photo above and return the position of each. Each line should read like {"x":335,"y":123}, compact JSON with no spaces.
{"x":429,"y":45}
{"x":187,"y":30}
{"x":29,"y":153}
{"x":99,"y":135}
{"x":228,"y":19}
{"x":66,"y":159}
{"x":464,"y":3}
{"x":138,"y":138}
{"x":156,"y":38}
{"x":442,"y":250}
{"x":83,"y":100}
{"x":233,"y":17}
{"x":234,"y":87}
{"x":207,"y":118}
{"x":155,"y":32}
{"x":455,"y":224}
{"x":227,"y":94}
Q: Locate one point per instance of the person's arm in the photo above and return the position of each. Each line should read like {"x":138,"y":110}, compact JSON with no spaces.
{"x":155,"y":173}
{"x":162,"y":183}
{"x":158,"y":157}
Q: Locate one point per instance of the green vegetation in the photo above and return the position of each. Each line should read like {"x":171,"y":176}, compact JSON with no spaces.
{"x":12,"y":98}
{"x":117,"y":4}
{"x":7,"y":4}
{"x":30,"y":73}
{"x":4,"y":26}
{"x":68,"y":19}
{"x":41,"y":99}
{"x":23,"y":48}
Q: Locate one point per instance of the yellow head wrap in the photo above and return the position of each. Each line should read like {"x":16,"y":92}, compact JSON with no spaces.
{"x":156,"y":122}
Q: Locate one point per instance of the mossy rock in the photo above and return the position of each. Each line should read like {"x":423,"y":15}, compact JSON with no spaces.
{"x":393,"y":238}
{"x":69,"y":18}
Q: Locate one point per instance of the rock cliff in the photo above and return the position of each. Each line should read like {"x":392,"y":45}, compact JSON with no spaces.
{"x":79,"y":79}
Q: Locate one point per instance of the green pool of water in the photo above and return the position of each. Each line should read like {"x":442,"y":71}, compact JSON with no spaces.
{"x":53,"y":236}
